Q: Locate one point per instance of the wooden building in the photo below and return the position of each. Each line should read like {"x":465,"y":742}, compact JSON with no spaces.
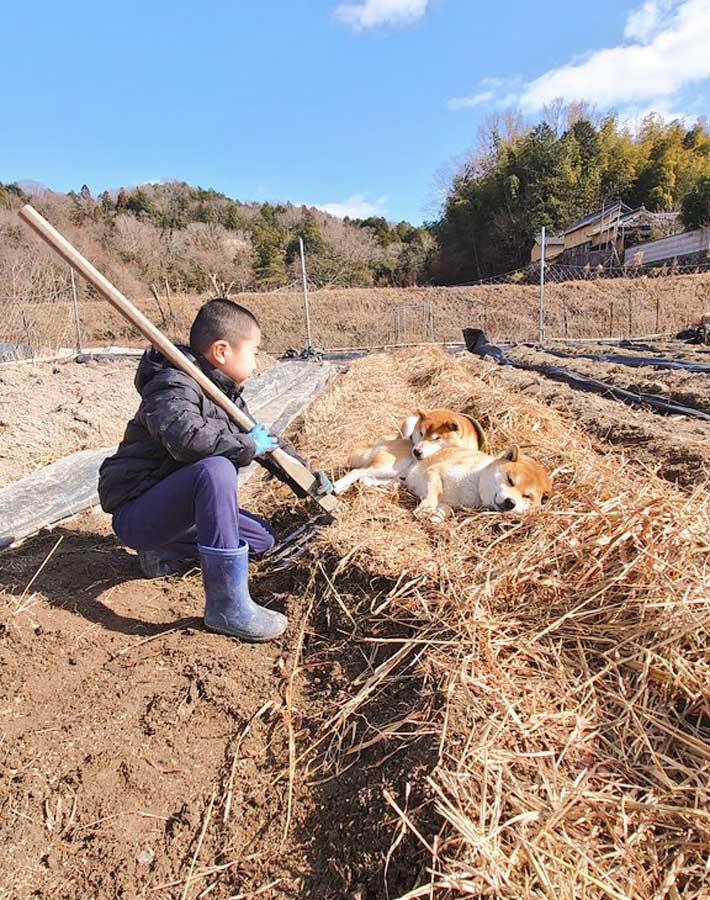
{"x":601,"y":238}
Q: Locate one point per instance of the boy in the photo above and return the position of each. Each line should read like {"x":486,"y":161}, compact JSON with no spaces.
{"x":172,"y":484}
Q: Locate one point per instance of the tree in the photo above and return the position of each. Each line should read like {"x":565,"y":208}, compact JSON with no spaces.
{"x":268,"y":238}
{"x":309,"y":232}
{"x":11,"y":196}
{"x":695,"y":211}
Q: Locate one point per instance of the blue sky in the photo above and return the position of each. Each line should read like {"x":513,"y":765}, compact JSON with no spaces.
{"x":351,"y":106}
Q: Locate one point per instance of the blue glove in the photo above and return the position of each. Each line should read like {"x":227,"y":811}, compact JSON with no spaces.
{"x":263,"y":440}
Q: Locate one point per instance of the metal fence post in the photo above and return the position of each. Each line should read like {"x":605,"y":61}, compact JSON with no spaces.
{"x":309,"y":345}
{"x":541,"y":317}
{"x":76,"y":311}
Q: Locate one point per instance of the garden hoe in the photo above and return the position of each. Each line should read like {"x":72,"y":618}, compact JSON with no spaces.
{"x":303,"y":481}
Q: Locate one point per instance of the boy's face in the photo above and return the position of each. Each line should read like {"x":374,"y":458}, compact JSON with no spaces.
{"x":237,"y":360}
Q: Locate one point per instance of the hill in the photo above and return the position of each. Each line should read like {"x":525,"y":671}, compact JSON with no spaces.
{"x":198,"y":239}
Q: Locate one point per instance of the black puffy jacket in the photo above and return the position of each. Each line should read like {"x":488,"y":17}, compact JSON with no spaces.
{"x":176,"y":424}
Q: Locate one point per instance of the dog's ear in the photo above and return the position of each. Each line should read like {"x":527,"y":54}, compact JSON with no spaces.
{"x":408,"y":426}
{"x":510,"y":455}
{"x":451,"y":426}
{"x":421,"y":412}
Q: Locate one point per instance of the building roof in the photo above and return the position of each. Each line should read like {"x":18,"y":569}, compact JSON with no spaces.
{"x":550,"y":239}
{"x":615,"y":208}
{"x":638,"y":216}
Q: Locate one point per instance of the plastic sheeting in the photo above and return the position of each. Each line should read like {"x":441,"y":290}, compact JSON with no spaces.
{"x":655,"y":362}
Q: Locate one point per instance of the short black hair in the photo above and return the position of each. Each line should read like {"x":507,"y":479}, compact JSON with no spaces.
{"x":221,"y":320}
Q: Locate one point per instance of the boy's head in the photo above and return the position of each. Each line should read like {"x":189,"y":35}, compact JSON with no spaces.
{"x":228,"y":336}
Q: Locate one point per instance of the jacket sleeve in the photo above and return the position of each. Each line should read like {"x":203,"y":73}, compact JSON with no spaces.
{"x":172,"y":413}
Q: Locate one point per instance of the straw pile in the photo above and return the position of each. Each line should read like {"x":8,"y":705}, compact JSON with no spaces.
{"x":557,"y":665}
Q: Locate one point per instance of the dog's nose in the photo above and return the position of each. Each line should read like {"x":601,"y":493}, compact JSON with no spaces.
{"x":508,"y":504}
{"x":417,"y":452}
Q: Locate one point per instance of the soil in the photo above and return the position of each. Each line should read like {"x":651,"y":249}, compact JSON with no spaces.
{"x":49,"y":410}
{"x":121,"y":721}
{"x":690,"y":389}
{"x":664,"y":349}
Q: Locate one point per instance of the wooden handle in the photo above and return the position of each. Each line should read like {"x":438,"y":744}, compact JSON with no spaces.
{"x":292,"y":467}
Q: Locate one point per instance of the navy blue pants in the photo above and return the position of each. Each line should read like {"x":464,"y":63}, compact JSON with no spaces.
{"x":195,"y":505}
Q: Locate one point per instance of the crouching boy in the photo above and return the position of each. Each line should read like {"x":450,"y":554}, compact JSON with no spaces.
{"x":171,"y":487}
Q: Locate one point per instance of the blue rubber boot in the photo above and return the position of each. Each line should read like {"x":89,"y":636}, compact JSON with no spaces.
{"x":229,"y":608}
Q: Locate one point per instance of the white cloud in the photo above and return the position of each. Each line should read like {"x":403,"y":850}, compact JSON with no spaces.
{"x":667,"y":51}
{"x":643,"y":23}
{"x":356,"y":207}
{"x":474,"y":100}
{"x":633,"y":116}
{"x":676,"y":56}
{"x":371,"y":13}
{"x":500,"y":90}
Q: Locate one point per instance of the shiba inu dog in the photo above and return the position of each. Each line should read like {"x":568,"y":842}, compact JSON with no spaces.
{"x":462,"y":479}
{"x":421,"y":435}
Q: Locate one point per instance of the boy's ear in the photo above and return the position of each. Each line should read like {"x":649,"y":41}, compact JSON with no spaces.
{"x":217,"y":350}
{"x":510,"y":455}
{"x":408,"y":426}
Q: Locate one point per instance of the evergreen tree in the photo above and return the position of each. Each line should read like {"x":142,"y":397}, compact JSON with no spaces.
{"x":268,"y":238}
{"x":695,"y":211}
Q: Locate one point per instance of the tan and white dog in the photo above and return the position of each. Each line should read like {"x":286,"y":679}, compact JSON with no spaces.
{"x":462,"y":479}
{"x":420,"y":436}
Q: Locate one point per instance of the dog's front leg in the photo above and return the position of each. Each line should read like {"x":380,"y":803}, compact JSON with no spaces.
{"x":370,"y":477}
{"x":431,"y":501}
{"x":342,"y":484}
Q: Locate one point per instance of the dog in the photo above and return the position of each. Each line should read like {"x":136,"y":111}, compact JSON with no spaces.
{"x":420,"y":436}
{"x":465,"y":479}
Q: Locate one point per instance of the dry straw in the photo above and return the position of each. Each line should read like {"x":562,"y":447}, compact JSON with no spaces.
{"x":559,"y":663}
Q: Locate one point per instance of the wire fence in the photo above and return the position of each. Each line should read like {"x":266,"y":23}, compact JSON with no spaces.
{"x":37,"y":325}
{"x":577,"y":303}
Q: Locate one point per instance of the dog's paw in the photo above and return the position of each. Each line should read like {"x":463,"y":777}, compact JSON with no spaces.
{"x":437,"y":516}
{"x":424,"y":509}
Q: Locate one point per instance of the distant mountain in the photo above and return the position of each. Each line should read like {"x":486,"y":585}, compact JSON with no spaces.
{"x":33,"y":188}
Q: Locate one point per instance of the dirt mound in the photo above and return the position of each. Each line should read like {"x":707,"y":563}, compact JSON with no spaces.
{"x":49,"y":410}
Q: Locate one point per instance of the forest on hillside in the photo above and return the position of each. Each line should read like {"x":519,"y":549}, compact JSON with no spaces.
{"x":519,"y":177}
{"x":198,"y":239}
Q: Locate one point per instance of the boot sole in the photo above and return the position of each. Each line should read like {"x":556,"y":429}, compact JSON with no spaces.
{"x":249,"y":638}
